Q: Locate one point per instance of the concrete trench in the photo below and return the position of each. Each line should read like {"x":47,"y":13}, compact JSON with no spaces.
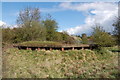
{"x":56,"y":48}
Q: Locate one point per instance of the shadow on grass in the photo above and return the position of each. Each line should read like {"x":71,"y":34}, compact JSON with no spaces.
{"x":115,"y":50}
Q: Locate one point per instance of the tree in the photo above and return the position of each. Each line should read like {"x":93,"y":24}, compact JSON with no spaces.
{"x":117,"y":29}
{"x":31,"y":27}
{"x":67,"y":38}
{"x":84,"y":39}
{"x":27,"y":16}
{"x":58,"y":36}
{"x":51,"y":28}
{"x":102,"y":38}
{"x":7,"y":35}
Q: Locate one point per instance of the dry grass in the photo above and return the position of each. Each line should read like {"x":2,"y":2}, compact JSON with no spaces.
{"x":60,"y":64}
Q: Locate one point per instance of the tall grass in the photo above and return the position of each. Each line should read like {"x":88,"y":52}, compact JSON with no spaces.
{"x":60,"y":64}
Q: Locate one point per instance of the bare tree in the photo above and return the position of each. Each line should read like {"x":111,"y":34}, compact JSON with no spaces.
{"x":27,"y":16}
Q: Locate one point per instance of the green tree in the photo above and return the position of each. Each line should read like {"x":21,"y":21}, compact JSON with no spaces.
{"x":19,"y":35}
{"x":102,"y":38}
{"x":7,"y":35}
{"x":51,"y":28}
{"x":84,"y":39}
{"x":58,"y":36}
{"x":30,"y":25}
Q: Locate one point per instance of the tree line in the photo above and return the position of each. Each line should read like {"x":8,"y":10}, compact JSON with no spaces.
{"x":32,"y":28}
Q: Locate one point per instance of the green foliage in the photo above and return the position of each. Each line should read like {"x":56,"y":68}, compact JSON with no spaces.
{"x":60,"y":64}
{"x":58,"y":37}
{"x":29,"y":20}
{"x":102,"y":38}
{"x":40,"y":43}
{"x":51,"y":29}
{"x":19,"y":35}
{"x":84,"y":39}
{"x":103,"y":51}
{"x":32,"y":28}
{"x":7,"y":35}
{"x":35,"y":32}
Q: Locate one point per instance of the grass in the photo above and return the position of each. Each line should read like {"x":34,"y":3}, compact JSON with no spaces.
{"x":60,"y":64}
{"x":41,"y":43}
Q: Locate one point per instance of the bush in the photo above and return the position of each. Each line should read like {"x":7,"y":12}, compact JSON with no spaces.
{"x":102,"y":38}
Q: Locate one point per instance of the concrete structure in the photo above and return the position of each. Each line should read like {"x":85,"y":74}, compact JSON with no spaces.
{"x":62,"y":48}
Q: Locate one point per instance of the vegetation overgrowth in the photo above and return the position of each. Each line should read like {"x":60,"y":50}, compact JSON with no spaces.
{"x":32,"y":30}
{"x":31,"y":27}
{"x":41,"y":44}
{"x":61,"y":64}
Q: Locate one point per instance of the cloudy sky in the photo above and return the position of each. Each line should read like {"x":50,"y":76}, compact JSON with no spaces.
{"x":73,"y":17}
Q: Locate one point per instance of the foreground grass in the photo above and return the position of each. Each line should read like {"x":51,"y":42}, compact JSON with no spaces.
{"x":60,"y":64}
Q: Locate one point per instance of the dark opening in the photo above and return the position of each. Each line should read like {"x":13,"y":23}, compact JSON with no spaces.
{"x":57,"y":48}
{"x":78,"y":48}
{"x":68,"y":48}
{"x":86,"y":47}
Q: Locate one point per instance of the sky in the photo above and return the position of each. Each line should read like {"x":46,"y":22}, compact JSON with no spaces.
{"x":74,"y":17}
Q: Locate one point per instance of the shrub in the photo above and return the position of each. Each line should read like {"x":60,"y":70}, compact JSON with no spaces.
{"x":102,"y":38}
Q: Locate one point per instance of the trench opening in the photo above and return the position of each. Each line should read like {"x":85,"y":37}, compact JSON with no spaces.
{"x":68,"y":48}
{"x":77,"y":48}
{"x":56,"y":48}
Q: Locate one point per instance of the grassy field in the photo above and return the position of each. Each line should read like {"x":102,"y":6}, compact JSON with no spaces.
{"x":60,"y":64}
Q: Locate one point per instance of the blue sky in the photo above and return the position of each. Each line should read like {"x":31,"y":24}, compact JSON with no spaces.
{"x":65,"y":18}
{"x":75,"y":18}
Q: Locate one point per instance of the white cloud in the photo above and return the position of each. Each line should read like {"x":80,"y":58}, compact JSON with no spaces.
{"x":5,"y":25}
{"x":2,"y":23}
{"x":98,"y":12}
{"x":48,"y":10}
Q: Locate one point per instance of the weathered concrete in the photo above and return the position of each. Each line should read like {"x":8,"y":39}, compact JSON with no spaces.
{"x":62,"y":48}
